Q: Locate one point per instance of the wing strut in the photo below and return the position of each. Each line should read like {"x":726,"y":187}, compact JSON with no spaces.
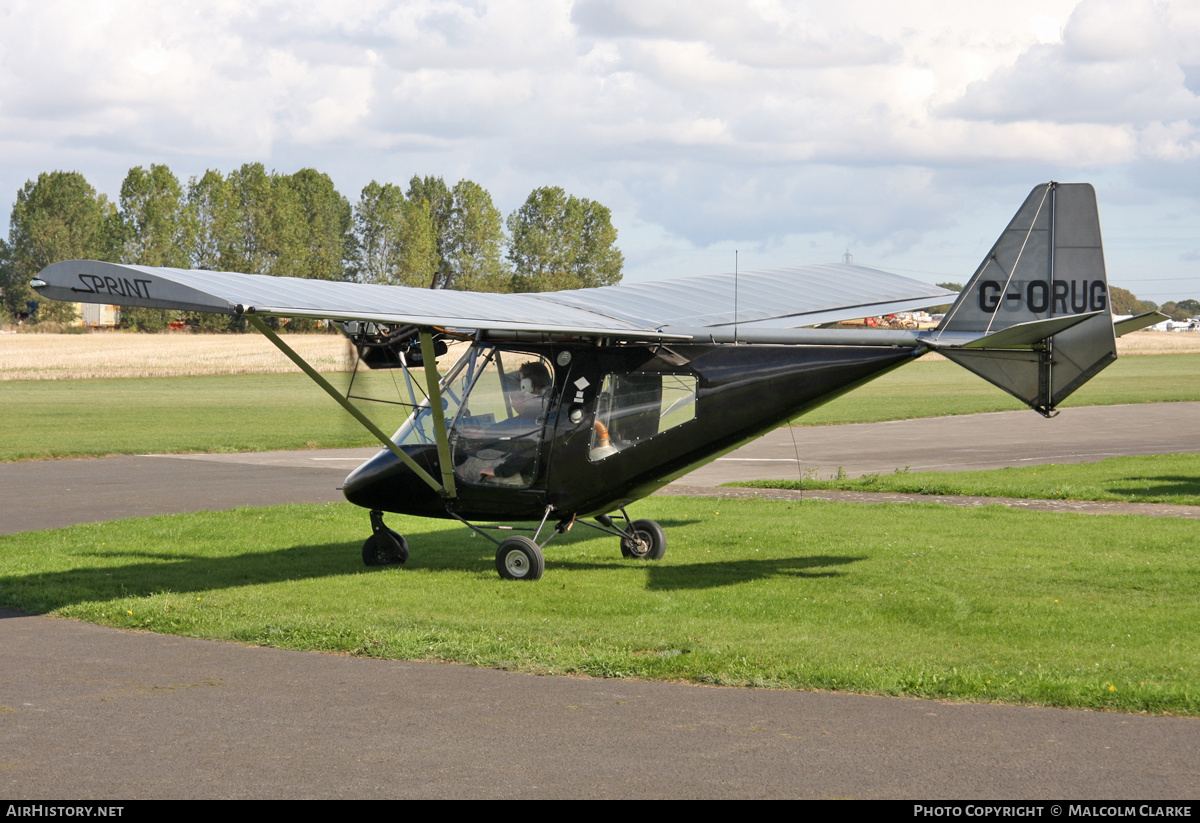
{"x":433,"y":382}
{"x":435,"y":398}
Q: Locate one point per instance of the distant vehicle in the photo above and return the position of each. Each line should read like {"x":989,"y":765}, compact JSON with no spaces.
{"x":569,"y":406}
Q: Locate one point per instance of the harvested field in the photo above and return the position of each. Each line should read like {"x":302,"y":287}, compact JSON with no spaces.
{"x":121,"y":354}
{"x":1142,"y":342}
{"x":1158,"y":342}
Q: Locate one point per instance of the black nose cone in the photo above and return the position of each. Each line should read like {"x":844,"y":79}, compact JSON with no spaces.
{"x":385,"y":483}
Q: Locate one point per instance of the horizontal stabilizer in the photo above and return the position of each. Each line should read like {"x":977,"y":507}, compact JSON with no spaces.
{"x":1020,"y":336}
{"x":1138,"y":321}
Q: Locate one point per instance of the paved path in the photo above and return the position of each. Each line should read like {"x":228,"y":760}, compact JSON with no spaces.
{"x":975,"y":441}
{"x":60,"y":492}
{"x":100,"y":713}
{"x":87,"y":712}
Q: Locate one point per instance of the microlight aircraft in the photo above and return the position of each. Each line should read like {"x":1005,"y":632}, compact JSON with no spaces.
{"x":567,"y":407}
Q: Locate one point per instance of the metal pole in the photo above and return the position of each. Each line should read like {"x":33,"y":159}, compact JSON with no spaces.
{"x":347,"y":405}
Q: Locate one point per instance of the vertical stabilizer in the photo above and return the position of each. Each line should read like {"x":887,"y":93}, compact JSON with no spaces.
{"x":1049,"y":262}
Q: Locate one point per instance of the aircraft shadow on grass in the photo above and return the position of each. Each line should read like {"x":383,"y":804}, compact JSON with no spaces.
{"x":448,"y":550}
{"x":1162,"y":486}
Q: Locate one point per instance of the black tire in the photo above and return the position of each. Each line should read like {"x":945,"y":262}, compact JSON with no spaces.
{"x":519,"y":558}
{"x":648,"y":541}
{"x":392,"y":548}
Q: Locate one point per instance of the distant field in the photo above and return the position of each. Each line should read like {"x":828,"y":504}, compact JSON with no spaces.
{"x":75,"y":417}
{"x":31,"y":356}
{"x":122,"y":354}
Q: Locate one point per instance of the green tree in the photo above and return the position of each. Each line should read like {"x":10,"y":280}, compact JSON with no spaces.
{"x":1124,"y":302}
{"x":560,"y":242}
{"x":6,"y":276}
{"x":395,"y":237}
{"x":379,"y":230}
{"x":259,"y":229}
{"x":210,"y":204}
{"x":1181,"y":310}
{"x":476,"y":238}
{"x":314,"y":227}
{"x":420,"y":263}
{"x":157,"y":230}
{"x":435,"y":202}
{"x":57,"y":217}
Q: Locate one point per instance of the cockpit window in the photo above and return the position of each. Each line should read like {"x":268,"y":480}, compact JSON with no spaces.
{"x":632,"y":408}
{"x":497,"y":436}
{"x":495,"y":404}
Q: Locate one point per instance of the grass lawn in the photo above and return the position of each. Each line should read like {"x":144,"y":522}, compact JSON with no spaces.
{"x":1156,"y":478}
{"x":223,"y":413}
{"x":987,"y":604}
{"x":930,"y":388}
{"x":263,"y":412}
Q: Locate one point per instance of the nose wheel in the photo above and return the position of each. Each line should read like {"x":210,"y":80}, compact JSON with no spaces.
{"x":384,"y":547}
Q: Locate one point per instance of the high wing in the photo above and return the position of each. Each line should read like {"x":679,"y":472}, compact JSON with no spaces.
{"x":673,"y":309}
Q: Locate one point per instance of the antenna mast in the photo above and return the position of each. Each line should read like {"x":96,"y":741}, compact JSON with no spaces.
{"x":735,"y":291}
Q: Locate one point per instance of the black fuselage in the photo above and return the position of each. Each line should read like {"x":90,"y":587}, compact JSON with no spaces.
{"x":686,"y":405}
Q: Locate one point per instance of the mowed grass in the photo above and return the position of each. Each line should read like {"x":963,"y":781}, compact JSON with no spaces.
{"x":222,"y":413}
{"x":1158,"y":478}
{"x":986,"y":604}
{"x":263,"y":412}
{"x":938,"y":387}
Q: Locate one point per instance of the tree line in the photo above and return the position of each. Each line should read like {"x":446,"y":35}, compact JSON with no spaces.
{"x":431,"y":235}
{"x":1126,"y":302}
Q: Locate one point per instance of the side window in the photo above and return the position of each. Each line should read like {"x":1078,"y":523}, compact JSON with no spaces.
{"x":497,"y":437}
{"x":632,"y":408}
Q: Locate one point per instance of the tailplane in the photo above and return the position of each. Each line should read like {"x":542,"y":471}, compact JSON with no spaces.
{"x":1035,"y":319}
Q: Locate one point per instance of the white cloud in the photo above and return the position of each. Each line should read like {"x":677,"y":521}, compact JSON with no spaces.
{"x":1118,"y":62}
{"x":701,"y":123}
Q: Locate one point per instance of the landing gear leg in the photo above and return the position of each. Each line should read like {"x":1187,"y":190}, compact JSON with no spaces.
{"x":519,"y":557}
{"x":384,"y":546}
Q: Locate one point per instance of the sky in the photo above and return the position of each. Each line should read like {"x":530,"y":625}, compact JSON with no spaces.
{"x":904,"y":133}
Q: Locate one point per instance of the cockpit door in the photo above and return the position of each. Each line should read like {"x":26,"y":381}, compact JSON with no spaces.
{"x":498,"y":435}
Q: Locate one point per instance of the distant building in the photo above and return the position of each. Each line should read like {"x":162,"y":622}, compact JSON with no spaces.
{"x":97,"y":316}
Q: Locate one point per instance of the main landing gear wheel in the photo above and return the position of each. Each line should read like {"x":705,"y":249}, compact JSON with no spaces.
{"x":519,"y":558}
{"x":646,"y":541}
{"x":385,"y":548}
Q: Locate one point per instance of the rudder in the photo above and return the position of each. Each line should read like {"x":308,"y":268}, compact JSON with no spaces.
{"x":1049,"y":262}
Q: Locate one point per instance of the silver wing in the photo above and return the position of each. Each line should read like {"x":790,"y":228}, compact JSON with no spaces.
{"x":670,"y":309}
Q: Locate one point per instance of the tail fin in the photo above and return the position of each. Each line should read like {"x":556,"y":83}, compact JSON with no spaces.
{"x":1048,"y":263}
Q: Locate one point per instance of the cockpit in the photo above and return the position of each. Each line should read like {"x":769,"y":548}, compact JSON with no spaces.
{"x":495,"y":404}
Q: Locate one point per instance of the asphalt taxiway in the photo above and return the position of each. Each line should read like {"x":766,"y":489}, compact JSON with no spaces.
{"x":88,"y":712}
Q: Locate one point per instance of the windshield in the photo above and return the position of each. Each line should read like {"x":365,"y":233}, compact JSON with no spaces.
{"x":418,"y":428}
{"x":505,"y":388}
